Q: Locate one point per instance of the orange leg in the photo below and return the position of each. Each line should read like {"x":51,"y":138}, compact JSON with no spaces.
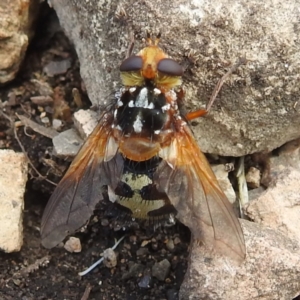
{"x":201,"y":112}
{"x":196,"y":114}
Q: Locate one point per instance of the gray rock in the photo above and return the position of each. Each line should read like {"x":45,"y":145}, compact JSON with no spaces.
{"x":142,"y":251}
{"x":67,"y":143}
{"x":146,"y":280}
{"x":160,"y":270}
{"x":257,"y":107}
{"x":278,"y":207}
{"x":271,"y":270}
{"x":57,"y":67}
{"x":134,"y":271}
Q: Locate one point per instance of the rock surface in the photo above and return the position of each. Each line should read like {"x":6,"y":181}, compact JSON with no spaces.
{"x":222,"y":176}
{"x":276,"y":276}
{"x":13,"y":177}
{"x":279,"y":206}
{"x":257,"y":108}
{"x":271,"y":270}
{"x":16,"y":19}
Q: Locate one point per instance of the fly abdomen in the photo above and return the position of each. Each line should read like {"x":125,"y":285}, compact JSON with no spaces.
{"x":138,"y":197}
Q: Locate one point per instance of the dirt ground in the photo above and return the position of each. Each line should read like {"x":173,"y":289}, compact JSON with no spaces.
{"x":38,"y":273}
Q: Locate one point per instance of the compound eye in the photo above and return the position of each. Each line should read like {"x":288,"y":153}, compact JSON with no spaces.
{"x":132,"y":63}
{"x":170,"y":67}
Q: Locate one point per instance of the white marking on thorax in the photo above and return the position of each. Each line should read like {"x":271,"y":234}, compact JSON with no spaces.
{"x":115,"y":113}
{"x":132,"y":90}
{"x":138,"y":125}
{"x":166,"y":107}
{"x":182,"y":123}
{"x":150,"y":105}
{"x":157,"y":91}
{"x":172,"y":95}
{"x":119,"y":93}
{"x":142,"y":98}
{"x":120,"y":103}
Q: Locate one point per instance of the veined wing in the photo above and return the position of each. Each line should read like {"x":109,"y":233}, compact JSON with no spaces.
{"x":72,"y":203}
{"x":186,"y":177}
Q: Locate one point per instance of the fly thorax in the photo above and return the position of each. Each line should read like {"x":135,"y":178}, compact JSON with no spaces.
{"x":141,"y":111}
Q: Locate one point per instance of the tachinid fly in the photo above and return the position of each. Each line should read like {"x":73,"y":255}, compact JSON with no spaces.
{"x":143,"y":155}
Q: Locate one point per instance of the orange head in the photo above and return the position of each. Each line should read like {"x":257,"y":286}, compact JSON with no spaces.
{"x":151,"y":64}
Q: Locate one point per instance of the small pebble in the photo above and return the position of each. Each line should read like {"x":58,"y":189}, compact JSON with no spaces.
{"x":18,"y":124}
{"x":172,"y":294}
{"x":73,"y":244}
{"x":154,"y":244}
{"x":12,"y":99}
{"x":168,"y":280}
{"x":104,"y":222}
{"x":57,"y":67}
{"x":43,"y":88}
{"x":40,"y":108}
{"x":161,"y":269}
{"x":134,"y":271}
{"x":142,"y":251}
{"x":109,"y":258}
{"x":45,"y":120}
{"x":56,"y":124}
{"x":17,"y":282}
{"x":145,"y":281}
{"x":253,"y":178}
{"x":127,"y":246}
{"x":170,"y":244}
{"x":133,"y":239}
{"x":145,"y":243}
{"x":177,"y":241}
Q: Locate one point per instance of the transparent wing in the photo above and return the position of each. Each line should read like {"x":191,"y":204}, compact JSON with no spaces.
{"x":74,"y":199}
{"x":186,"y":177}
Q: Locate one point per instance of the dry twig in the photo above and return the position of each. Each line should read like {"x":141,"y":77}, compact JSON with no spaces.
{"x":86,"y":293}
{"x":47,"y":132}
{"x":29,"y":161}
{"x":42,"y":262}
